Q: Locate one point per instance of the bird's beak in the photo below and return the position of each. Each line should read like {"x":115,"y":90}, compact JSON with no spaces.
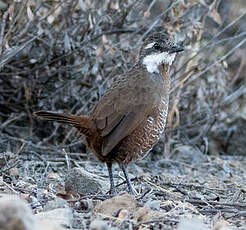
{"x":176,"y":49}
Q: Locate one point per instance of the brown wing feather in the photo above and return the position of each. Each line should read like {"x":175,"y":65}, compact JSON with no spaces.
{"x":122,"y":109}
{"x":126,"y":126}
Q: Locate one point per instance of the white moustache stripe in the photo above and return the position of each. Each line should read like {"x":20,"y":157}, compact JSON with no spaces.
{"x":150,"y":45}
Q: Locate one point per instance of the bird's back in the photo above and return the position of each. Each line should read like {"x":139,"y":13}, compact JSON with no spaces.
{"x":146,"y":97}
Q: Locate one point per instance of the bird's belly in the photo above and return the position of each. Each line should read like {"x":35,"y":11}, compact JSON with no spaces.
{"x":142,"y":139}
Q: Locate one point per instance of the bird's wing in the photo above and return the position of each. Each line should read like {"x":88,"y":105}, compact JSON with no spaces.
{"x":121,"y":110}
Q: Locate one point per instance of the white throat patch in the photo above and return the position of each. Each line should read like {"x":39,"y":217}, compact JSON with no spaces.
{"x":152,"y":61}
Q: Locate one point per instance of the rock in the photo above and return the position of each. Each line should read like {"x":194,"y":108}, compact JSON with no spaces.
{"x":123,"y":215}
{"x":145,"y":214}
{"x":80,"y":181}
{"x":188,"y":154}
{"x":192,"y":224}
{"x":221,"y":225}
{"x":14,"y":172}
{"x":111,"y":206}
{"x":154,"y":204}
{"x":57,"y":217}
{"x":81,"y":220}
{"x":15,"y":214}
{"x":99,"y":225}
{"x":56,"y":203}
{"x":46,"y":225}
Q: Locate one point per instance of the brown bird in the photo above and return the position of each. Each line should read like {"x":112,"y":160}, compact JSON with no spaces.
{"x":130,"y":117}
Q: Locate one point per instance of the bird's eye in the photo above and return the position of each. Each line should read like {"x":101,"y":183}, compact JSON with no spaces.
{"x":157,"y":46}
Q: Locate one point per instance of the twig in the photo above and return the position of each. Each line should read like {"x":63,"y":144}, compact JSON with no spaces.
{"x":160,"y":188}
{"x":216,"y":62}
{"x":201,"y":202}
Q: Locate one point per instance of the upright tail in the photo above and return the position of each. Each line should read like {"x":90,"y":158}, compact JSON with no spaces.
{"x":82,"y":123}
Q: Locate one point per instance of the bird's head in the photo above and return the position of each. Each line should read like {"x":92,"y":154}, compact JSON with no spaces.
{"x":158,"y":49}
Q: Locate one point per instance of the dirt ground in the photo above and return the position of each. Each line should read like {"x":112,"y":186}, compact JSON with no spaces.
{"x":189,"y":190}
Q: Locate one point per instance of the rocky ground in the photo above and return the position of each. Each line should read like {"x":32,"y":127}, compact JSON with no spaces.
{"x":187,"y":191}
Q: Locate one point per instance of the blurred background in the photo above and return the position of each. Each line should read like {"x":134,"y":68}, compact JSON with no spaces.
{"x":58,"y":56}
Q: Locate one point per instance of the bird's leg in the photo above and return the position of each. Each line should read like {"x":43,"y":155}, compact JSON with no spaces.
{"x":111,"y":178}
{"x":128,"y":182}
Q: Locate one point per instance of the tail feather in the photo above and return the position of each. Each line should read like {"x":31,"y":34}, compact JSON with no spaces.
{"x":82,"y":123}
{"x":59,"y":117}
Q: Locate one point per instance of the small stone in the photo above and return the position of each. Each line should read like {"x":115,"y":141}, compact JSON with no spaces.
{"x":111,"y":206}
{"x":80,"y":181}
{"x":46,"y":225}
{"x":123,"y":215}
{"x":56,"y":203}
{"x":14,"y":172}
{"x":53,"y":176}
{"x":143,"y":214}
{"x":154,"y":204}
{"x":222,"y":225}
{"x":99,"y":225}
{"x":57,"y":217}
{"x":192,"y":224}
{"x":146,"y":214}
{"x":15,"y":214}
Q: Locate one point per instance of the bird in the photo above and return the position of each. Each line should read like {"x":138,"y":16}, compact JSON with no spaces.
{"x":129,"y":119}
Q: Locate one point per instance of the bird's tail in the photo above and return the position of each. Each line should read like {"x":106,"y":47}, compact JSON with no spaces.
{"x":82,"y":123}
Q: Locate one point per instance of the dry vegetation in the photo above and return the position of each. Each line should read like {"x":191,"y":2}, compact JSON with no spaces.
{"x":58,"y":56}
